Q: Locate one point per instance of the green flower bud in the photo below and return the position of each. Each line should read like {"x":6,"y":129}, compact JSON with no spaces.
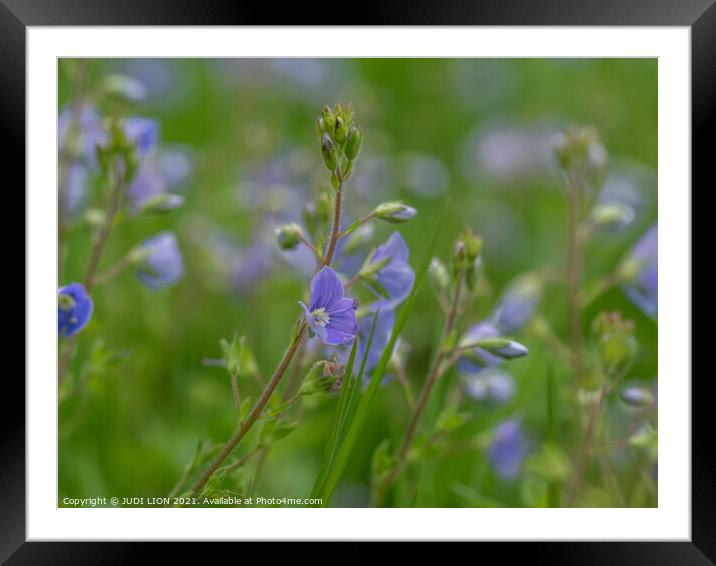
{"x":288,"y":236}
{"x":329,"y":120}
{"x":612,"y":215}
{"x":616,"y":343}
{"x":394,"y":211}
{"x":320,"y":128}
{"x":439,"y":274}
{"x":324,"y":207}
{"x":341,"y":130}
{"x":329,"y":152}
{"x":319,"y":379}
{"x":353,"y":142}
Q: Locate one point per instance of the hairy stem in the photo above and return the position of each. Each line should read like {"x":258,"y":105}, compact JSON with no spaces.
{"x":255,"y":412}
{"x":115,"y":199}
{"x":573,"y":278}
{"x":336,"y":229}
{"x":436,"y":371}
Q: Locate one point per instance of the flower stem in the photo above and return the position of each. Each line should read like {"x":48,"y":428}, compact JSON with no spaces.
{"x":115,"y":199}
{"x":95,"y":255}
{"x":255,"y":412}
{"x":336,"y":229}
{"x":311,"y":247}
{"x":115,"y":269}
{"x":573,"y":279}
{"x":436,"y":371}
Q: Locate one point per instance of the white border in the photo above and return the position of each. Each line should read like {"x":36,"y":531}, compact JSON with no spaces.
{"x":671,"y":520}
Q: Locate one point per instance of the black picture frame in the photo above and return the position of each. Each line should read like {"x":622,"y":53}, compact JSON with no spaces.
{"x":699,"y":15}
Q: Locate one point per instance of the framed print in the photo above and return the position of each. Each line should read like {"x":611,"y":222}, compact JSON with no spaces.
{"x":372,"y":282}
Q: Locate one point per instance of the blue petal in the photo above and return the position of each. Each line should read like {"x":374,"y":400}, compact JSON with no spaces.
{"x":341,"y":329}
{"x":395,"y":248}
{"x":326,"y":289}
{"x":507,"y":449}
{"x":164,"y":266}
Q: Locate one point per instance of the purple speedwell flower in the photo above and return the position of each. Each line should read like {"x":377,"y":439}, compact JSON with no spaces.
{"x":389,"y":270}
{"x":331,"y":315}
{"x":381,"y":337}
{"x":162,"y":263}
{"x":517,"y":305}
{"x":508,"y":449}
{"x":158,"y":174}
{"x":143,"y":132}
{"x":493,"y":385}
{"x":74,"y":309}
{"x":478,"y":359}
{"x":88,"y":131}
{"x":643,"y":288}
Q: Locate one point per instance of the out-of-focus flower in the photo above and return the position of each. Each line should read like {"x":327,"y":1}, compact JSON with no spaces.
{"x":331,"y":315}
{"x":478,"y":359}
{"x":518,"y":304}
{"x":159,"y":173}
{"x":143,"y":132}
{"x":381,"y":337}
{"x":89,"y":131}
{"x":508,"y":153}
{"x":388,"y":270}
{"x":74,"y":309}
{"x":640,"y":270}
{"x":159,"y":262}
{"x":493,"y":385}
{"x":612,"y":215}
{"x":423,"y":174}
{"x":508,"y":449}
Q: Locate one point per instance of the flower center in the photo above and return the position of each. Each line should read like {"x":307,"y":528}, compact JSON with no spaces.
{"x":65,"y":302}
{"x":320,"y":317}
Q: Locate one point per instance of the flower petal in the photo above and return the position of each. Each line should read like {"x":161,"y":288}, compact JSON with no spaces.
{"x":326,"y":289}
{"x":395,"y":248}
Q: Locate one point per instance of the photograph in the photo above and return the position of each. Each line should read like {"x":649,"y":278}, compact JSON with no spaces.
{"x":357,"y":282}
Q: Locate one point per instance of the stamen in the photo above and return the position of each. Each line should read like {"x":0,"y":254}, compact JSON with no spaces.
{"x":320,"y":317}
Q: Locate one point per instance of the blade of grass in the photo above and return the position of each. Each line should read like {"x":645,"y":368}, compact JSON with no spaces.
{"x":358,"y":422}
{"x":347,"y":404}
{"x":340,"y":409}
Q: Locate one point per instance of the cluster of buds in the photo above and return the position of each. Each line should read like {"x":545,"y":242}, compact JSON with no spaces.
{"x":466,"y":257}
{"x":615,"y":341}
{"x":340,"y":140}
{"x":578,"y":151}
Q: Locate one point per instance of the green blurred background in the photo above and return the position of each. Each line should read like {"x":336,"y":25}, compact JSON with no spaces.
{"x":475,"y":129}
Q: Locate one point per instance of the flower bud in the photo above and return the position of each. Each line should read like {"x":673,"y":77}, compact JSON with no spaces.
{"x":341,"y":130}
{"x":394,"y":211}
{"x":288,"y":236}
{"x":637,"y":397}
{"x":503,"y":347}
{"x":353,"y":142}
{"x":439,"y":274}
{"x":329,"y":120}
{"x":320,"y":128}
{"x":615,"y":341}
{"x":329,"y":152}
{"x":612,"y":215}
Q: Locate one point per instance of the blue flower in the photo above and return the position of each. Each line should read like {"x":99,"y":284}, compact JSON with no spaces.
{"x":494,"y":385}
{"x":330,"y":315}
{"x":507,"y":449}
{"x":143,"y":132}
{"x":89,"y":130}
{"x":389,"y":268}
{"x":643,"y":289}
{"x":162,"y":263}
{"x":381,"y":337}
{"x":157,"y":174}
{"x":517,"y":305}
{"x":74,"y":309}
{"x":478,"y":359}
